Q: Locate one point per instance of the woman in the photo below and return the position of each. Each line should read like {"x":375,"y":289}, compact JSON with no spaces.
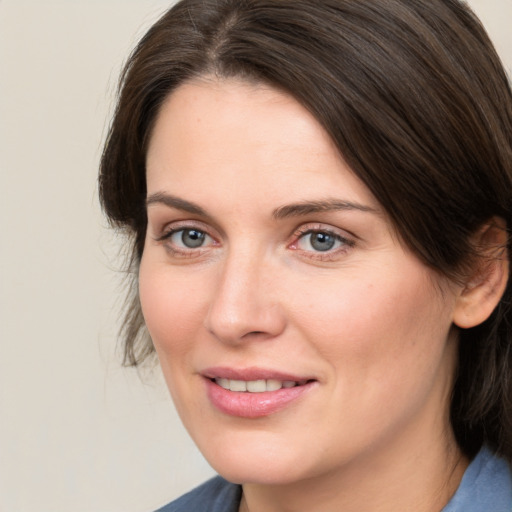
{"x":318,"y":194}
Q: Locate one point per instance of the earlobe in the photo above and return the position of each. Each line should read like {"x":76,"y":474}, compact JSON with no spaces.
{"x":488,"y":279}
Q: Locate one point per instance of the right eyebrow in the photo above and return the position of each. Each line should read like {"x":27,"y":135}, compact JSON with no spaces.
{"x":175,"y":202}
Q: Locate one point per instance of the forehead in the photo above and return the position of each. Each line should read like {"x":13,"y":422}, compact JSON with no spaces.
{"x":236,"y":112}
{"x":258,"y":142}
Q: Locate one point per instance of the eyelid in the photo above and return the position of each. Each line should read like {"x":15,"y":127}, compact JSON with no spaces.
{"x":348,"y":241}
{"x":318,"y":227}
{"x":172,"y":227}
{"x":178,"y":251}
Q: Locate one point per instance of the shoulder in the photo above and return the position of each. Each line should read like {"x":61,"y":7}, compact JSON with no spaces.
{"x":215,"y":495}
{"x":486,"y":486}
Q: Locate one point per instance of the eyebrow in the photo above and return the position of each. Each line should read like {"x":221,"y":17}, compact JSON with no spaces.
{"x":175,"y":202}
{"x":282,"y":212}
{"x":326,"y":205}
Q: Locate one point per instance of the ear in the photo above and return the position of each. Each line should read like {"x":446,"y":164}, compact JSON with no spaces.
{"x":489,"y":276}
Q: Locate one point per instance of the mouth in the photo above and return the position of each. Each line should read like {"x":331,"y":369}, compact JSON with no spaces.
{"x":254,"y":393}
{"x":257,"y":386}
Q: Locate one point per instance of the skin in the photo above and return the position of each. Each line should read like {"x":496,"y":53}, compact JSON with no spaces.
{"x":367,"y":320}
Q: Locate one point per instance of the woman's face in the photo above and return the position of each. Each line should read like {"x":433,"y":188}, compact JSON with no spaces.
{"x":298,"y":337}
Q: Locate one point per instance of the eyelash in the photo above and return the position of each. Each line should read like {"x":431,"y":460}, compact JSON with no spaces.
{"x":327,"y":255}
{"x":181,"y":252}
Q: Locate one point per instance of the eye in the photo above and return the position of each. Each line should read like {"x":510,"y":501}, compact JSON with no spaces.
{"x":190,"y":238}
{"x":320,"y":241}
{"x":185,"y":240}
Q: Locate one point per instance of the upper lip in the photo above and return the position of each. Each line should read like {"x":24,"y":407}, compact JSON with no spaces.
{"x":252,"y":373}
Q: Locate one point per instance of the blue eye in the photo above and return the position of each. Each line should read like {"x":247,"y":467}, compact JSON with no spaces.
{"x":189,"y":238}
{"x":320,"y":241}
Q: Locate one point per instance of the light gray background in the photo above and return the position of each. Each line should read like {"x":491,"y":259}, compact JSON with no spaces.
{"x":78,"y":433}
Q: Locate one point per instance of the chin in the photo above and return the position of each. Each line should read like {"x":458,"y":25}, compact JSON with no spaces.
{"x":264,"y":471}
{"x":258,"y":458}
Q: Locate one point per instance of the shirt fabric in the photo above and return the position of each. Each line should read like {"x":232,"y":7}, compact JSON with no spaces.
{"x":485,"y":487}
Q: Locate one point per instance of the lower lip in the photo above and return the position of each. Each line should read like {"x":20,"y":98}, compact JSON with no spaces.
{"x":253,"y":405}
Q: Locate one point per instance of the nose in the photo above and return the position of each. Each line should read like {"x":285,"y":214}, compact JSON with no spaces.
{"x":245,"y":303}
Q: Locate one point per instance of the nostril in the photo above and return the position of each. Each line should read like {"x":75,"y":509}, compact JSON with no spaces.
{"x":254,"y":334}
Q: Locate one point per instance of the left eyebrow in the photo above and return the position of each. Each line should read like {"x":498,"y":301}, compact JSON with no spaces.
{"x":326,"y":205}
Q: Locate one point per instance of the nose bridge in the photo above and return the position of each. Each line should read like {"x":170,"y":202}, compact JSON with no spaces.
{"x":243,"y":303}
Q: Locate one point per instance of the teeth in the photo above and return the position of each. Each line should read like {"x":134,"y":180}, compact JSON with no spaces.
{"x":255,"y":386}
{"x":274,"y":385}
{"x":238,"y":385}
{"x":223,"y":383}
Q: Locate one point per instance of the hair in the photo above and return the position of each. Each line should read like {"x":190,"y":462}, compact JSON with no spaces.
{"x":416,"y":100}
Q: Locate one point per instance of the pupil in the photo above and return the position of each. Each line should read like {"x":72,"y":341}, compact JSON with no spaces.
{"x":192,"y":238}
{"x":322,"y":241}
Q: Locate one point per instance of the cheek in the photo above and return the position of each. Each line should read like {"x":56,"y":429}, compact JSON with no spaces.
{"x":172,"y":307}
{"x":384,"y":341}
{"x":381,"y":326}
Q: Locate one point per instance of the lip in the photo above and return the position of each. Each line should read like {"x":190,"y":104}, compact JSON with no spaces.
{"x":253,"y":405}
{"x":252,"y":373}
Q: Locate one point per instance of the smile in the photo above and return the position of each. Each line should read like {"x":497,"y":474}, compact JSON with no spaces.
{"x":257,"y":386}
{"x":254,"y":393}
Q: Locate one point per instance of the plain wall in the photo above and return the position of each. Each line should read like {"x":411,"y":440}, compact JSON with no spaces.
{"x":78,"y":432}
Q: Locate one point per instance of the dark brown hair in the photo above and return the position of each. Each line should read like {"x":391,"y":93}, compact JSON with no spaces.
{"x":415,"y":98}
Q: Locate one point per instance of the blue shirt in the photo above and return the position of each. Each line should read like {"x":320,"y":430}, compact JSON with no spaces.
{"x":485,"y":487}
